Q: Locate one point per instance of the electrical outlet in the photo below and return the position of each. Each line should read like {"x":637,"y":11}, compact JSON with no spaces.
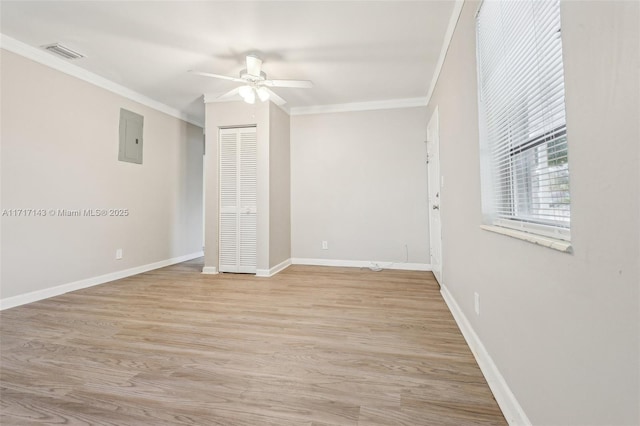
{"x":476,"y":300}
{"x":119,"y":254}
{"x":325,"y":245}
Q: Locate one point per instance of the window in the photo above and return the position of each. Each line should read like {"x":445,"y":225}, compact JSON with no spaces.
{"x":525,"y":167}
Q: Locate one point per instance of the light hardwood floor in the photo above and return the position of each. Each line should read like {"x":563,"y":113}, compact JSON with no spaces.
{"x":310,"y":346}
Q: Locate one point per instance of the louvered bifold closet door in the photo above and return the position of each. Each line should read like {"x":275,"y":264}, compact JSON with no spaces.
{"x":238,"y":177}
{"x":228,"y":200}
{"x":248,"y":200}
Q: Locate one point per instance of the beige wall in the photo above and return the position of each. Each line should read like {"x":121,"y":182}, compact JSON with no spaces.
{"x":279,"y":186}
{"x":563,"y":329}
{"x":359,"y":182}
{"x":60,"y":151}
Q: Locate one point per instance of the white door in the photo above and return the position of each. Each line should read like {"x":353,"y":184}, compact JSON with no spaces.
{"x":435,"y":187}
{"x":238,"y":186}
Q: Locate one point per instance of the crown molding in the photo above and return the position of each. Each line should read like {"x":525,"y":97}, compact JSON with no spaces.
{"x":453,"y":22}
{"x":47,"y":59}
{"x":209,"y":98}
{"x":360,"y":106}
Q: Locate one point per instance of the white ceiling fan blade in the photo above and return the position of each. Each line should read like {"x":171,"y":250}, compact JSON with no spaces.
{"x":223,"y":77}
{"x":301,"y":84}
{"x":275,"y":98}
{"x":229,"y":95}
{"x":254,"y":64}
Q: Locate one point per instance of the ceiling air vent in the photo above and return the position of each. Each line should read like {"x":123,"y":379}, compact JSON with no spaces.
{"x":63,"y":51}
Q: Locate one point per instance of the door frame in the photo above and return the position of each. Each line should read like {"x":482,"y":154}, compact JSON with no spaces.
{"x":433,"y":161}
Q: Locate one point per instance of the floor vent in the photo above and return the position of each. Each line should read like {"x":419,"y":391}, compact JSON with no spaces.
{"x":63,"y":51}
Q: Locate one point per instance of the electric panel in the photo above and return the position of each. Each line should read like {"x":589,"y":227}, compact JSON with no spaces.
{"x":131,"y":129}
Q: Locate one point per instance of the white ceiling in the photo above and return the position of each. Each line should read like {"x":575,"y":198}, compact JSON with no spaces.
{"x":354,"y":51}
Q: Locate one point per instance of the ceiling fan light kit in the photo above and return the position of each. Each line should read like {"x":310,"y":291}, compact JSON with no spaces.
{"x":255,"y":83}
{"x":249,"y":93}
{"x":263,"y":93}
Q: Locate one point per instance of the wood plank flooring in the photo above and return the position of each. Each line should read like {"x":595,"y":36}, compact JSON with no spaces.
{"x":310,"y":346}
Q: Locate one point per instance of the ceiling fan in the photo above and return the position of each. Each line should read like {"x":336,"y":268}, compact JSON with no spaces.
{"x":255,"y":83}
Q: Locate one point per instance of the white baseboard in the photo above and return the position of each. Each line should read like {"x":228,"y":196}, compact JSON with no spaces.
{"x":34,"y":296}
{"x":265,"y":273}
{"x":362,"y":264}
{"x":211,"y":270}
{"x":507,"y":401}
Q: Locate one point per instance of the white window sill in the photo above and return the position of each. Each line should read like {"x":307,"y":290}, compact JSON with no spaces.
{"x":552,"y":243}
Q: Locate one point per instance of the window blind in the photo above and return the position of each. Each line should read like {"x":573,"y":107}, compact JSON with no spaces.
{"x":521,"y":81}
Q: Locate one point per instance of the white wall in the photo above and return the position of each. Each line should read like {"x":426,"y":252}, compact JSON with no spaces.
{"x":359,"y":182}
{"x":562,"y":329}
{"x":60,"y":151}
